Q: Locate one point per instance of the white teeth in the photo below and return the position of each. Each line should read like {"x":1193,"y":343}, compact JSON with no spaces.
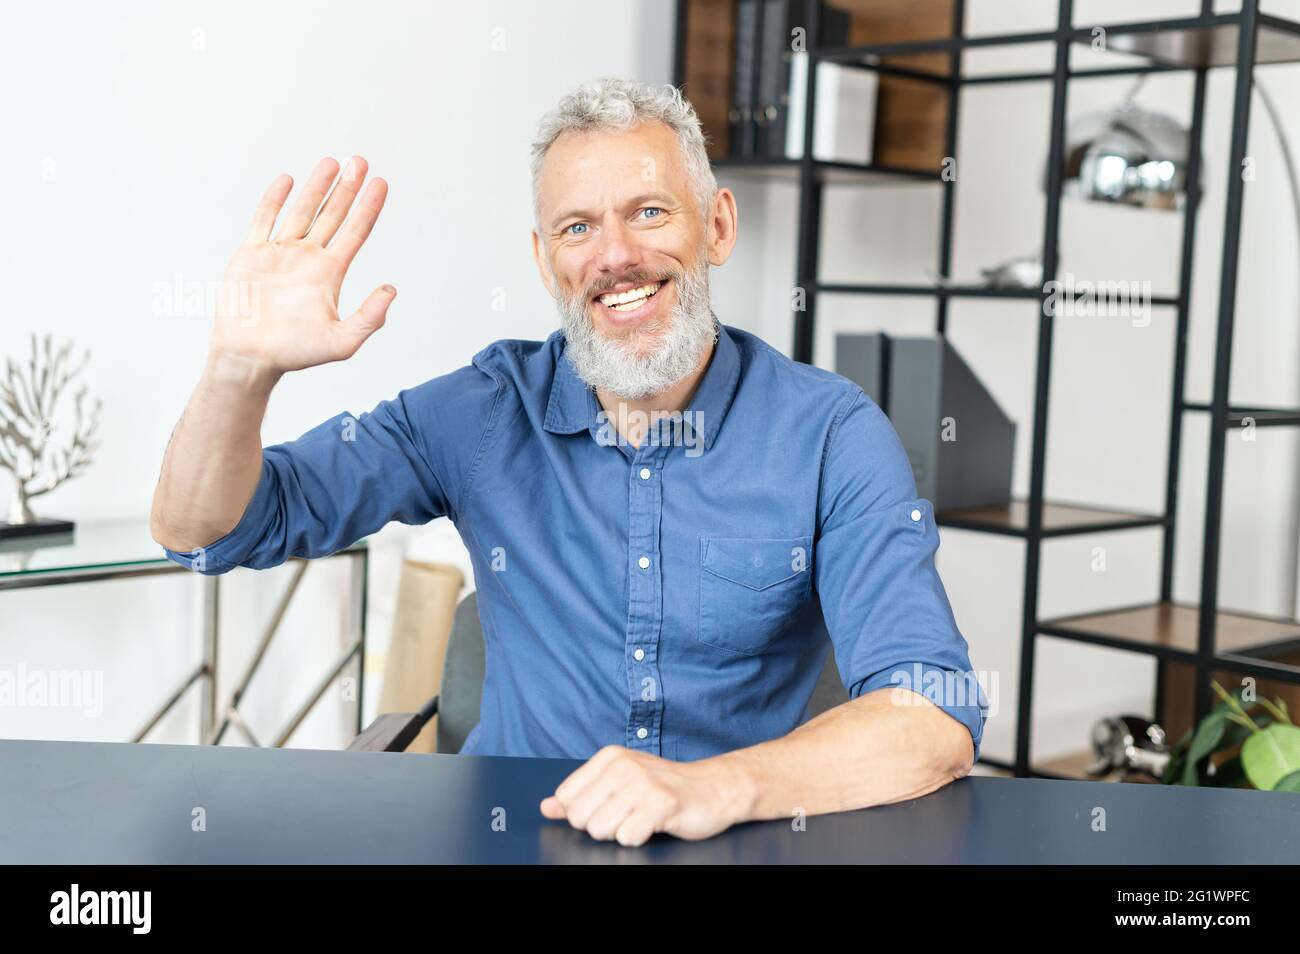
{"x":633,"y":297}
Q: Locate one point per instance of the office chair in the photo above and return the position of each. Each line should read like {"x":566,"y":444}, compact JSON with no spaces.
{"x":457,"y":705}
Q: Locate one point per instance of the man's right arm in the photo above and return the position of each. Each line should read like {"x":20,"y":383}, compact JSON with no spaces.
{"x":214,"y":460}
{"x":409,"y":459}
{"x":277,"y":312}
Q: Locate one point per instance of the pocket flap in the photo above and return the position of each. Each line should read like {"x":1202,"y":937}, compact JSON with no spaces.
{"x":757,"y":562}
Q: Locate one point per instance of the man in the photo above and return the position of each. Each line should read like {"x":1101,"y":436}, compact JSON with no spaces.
{"x":666,"y":516}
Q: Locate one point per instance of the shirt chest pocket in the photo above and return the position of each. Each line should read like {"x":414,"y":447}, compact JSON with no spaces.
{"x":750,"y":589}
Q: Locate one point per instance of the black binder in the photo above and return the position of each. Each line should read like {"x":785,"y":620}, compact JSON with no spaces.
{"x":780,"y":17}
{"x":745,"y":65}
{"x":778,"y":22}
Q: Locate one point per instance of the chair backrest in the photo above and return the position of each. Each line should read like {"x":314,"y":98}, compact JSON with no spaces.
{"x":462,"y":678}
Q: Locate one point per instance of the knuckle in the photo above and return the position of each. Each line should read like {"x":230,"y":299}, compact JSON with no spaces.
{"x":667,"y":799}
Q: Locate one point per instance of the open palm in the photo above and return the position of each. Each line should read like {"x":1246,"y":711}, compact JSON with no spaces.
{"x":279,"y":300}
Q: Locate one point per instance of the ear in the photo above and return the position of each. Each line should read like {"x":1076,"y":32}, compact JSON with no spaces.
{"x":539,"y":257}
{"x":722,"y":225}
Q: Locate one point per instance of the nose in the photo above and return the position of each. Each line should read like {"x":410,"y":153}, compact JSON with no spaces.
{"x":616,"y":250}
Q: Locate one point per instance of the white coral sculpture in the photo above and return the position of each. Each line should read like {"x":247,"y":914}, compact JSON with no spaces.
{"x":29,"y":449}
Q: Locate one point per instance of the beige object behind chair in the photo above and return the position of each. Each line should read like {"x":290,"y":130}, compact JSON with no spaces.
{"x":426,"y":603}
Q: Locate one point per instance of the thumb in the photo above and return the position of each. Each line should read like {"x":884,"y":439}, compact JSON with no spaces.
{"x":365,"y":321}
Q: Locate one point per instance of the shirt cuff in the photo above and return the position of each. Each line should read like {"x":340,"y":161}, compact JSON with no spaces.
{"x":223,"y":555}
{"x":957,"y":693}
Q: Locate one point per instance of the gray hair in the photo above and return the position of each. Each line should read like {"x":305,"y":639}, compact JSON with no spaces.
{"x":615,"y":105}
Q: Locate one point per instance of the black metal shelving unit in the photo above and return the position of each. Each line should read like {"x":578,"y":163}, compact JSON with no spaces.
{"x":1208,"y":639}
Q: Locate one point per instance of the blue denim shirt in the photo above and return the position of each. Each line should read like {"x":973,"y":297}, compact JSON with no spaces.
{"x":674,"y":598}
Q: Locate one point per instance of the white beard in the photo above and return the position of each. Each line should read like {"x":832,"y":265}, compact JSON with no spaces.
{"x":616,"y":366}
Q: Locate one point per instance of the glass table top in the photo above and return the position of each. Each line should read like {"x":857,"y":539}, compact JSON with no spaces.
{"x":92,"y":545}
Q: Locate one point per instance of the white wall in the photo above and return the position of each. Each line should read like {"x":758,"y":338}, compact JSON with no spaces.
{"x":138,"y":137}
{"x":159,"y":150}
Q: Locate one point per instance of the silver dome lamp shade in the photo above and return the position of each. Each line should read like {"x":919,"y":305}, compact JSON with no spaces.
{"x":1130,"y":156}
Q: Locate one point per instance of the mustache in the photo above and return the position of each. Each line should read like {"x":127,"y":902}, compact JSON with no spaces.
{"x":635,"y":278}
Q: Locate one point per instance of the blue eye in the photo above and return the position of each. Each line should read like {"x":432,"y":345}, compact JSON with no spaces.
{"x":652,"y":209}
{"x":575,"y":225}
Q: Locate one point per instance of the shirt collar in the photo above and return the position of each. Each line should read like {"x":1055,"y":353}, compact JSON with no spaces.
{"x":574,"y":407}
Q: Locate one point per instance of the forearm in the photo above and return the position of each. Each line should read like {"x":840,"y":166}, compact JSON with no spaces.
{"x":868,"y":751}
{"x":214,"y":460}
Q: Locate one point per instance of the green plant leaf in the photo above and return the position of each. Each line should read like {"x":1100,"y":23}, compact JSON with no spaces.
{"x":1204,"y":742}
{"x":1177,"y":757}
{"x":1270,"y":755}
{"x":1233,"y":736}
{"x":1225,"y":727}
{"x":1173,"y":774}
{"x":1288,"y":783}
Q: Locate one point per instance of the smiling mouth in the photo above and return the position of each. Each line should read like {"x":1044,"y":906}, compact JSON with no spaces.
{"x":632,"y":299}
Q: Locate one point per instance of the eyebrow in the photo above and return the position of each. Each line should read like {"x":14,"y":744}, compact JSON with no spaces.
{"x":663,"y":197}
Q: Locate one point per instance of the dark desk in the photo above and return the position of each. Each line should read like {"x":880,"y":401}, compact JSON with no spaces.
{"x":79,"y":802}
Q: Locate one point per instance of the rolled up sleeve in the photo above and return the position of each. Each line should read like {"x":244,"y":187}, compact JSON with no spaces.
{"x":407,"y":460}
{"x":885,"y":606}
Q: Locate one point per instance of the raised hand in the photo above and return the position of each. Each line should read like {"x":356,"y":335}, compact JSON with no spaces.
{"x":279,"y":301}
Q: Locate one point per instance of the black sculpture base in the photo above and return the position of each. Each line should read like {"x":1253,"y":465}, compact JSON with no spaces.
{"x":40,"y":527}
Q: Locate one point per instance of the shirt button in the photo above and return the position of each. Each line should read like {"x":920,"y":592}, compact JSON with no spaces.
{"x":916,"y":515}
{"x":643,"y":563}
{"x":645,"y":473}
{"x":642,"y":732}
{"x":639,"y":655}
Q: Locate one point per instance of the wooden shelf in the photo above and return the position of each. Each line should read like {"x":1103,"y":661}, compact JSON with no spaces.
{"x":1180,"y":43}
{"x":1170,"y":630}
{"x":787,"y":170}
{"x":962,"y":291}
{"x":1059,"y":519}
{"x":939,"y":291}
{"x":1212,"y":45}
{"x":1074,"y":767}
{"x":1262,"y":416}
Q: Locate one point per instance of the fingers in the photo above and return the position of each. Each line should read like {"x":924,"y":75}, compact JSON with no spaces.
{"x":606,"y":820}
{"x":365,"y":321}
{"x":636,"y":828}
{"x":340,"y":200}
{"x":606,"y":797}
{"x":303,"y":211}
{"x":629,"y":815}
{"x":587,"y":772}
{"x":360,"y":222}
{"x":269,"y":208}
{"x":581,"y":807}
